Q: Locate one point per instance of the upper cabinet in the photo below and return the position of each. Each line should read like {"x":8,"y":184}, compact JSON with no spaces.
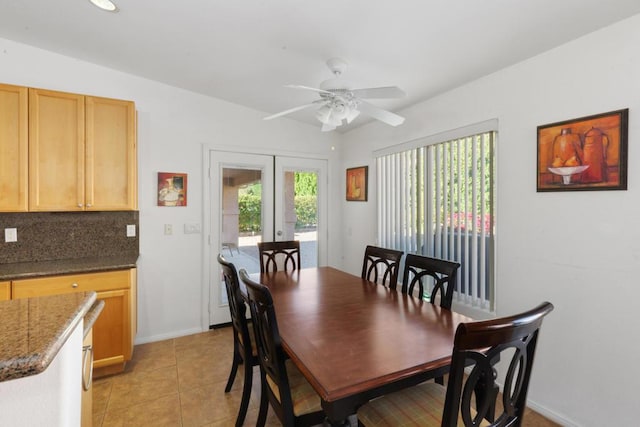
{"x":13,"y":148}
{"x":82,"y":153}
{"x":110,"y":170}
{"x":56,"y":151}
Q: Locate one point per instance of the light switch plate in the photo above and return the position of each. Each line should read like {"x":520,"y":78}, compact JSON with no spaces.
{"x":168,"y":229}
{"x":131,"y":230}
{"x":10,"y":235}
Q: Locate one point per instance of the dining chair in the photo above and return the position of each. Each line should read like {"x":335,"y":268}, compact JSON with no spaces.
{"x":381,"y":265}
{"x":290,"y":395}
{"x":478,"y":346}
{"x":244,"y":350}
{"x":420,"y":269}
{"x":276,"y":256}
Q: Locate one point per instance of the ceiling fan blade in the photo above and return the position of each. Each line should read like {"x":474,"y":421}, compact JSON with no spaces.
{"x":378,"y":113}
{"x":289,"y":111}
{"x":379,"y":92}
{"x":309,"y":88}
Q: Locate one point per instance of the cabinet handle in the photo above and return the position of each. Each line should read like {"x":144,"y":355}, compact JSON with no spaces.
{"x":88,"y":205}
{"x":74,"y":285}
{"x":87,"y":366}
{"x":79,"y":205}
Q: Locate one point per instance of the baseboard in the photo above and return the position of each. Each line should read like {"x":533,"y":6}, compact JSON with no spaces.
{"x":553,"y":416}
{"x":171,"y":335}
{"x":220,"y":325}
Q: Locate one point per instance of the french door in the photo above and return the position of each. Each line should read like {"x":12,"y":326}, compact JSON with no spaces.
{"x":256,"y":198}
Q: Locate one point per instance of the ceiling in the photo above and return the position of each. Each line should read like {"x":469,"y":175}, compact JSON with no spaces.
{"x":246,"y":51}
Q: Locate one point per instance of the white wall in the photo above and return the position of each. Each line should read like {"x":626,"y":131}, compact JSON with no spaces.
{"x":579,"y":250}
{"x":173,"y":127}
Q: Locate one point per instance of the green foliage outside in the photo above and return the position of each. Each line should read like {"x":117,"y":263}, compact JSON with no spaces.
{"x":306,"y":211}
{"x":306,"y":190}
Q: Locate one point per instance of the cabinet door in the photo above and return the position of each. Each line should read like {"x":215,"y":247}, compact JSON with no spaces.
{"x":5,"y":291}
{"x":111,"y":339}
{"x":111,"y":163}
{"x":13,"y":148}
{"x":56,"y":151}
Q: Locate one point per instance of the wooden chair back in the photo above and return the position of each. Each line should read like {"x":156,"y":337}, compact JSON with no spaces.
{"x":478,"y":346}
{"x":381,"y":265}
{"x":270,"y":352}
{"x":283,"y":256}
{"x":243,"y":349}
{"x":237,"y":306}
{"x":442,"y":273}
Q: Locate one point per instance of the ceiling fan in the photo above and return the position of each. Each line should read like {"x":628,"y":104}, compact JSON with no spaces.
{"x":339,"y":103}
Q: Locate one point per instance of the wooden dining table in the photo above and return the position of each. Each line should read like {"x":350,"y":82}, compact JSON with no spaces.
{"x":355,"y":340}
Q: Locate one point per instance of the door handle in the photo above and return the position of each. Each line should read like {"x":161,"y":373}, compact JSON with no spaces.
{"x":279,"y":233}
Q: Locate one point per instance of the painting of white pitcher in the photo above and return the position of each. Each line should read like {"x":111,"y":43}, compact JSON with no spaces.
{"x":589,"y":153}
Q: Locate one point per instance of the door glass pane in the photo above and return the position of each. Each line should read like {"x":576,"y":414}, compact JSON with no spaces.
{"x":300,"y":213}
{"x":242,"y":222}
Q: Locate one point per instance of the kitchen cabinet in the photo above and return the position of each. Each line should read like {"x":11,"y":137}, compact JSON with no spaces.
{"x":5,"y":291}
{"x":82,"y":152}
{"x":115,"y":329}
{"x":13,"y":148}
{"x":111,"y":162}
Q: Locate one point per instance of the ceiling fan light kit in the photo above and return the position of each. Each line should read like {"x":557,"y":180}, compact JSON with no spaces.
{"x":339,"y":104}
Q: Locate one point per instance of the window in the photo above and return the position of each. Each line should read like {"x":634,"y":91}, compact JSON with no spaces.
{"x":438,"y":200}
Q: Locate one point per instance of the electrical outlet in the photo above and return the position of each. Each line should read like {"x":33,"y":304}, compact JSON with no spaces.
{"x":168,"y":229}
{"x":10,"y":235}
{"x":193,"y":228}
{"x":131,"y":230}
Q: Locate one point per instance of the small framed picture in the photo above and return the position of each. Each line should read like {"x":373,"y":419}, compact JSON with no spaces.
{"x":588,"y":153}
{"x":172,"y":189}
{"x":357,"y":185}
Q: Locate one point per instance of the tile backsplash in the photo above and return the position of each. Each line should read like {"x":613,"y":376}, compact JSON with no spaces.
{"x":47,"y":236}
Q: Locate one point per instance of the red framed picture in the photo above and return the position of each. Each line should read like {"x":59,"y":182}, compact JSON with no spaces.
{"x":172,"y":189}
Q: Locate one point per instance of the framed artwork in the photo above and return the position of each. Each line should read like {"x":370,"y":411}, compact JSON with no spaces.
{"x":357,"y":185}
{"x":172,"y":189}
{"x":589,"y":153}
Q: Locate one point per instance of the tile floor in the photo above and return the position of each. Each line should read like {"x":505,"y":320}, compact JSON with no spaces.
{"x":180,"y":383}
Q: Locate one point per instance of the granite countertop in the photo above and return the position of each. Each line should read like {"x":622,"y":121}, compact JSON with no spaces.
{"x":91,"y":316}
{"x":35,"y":329}
{"x":26,"y":270}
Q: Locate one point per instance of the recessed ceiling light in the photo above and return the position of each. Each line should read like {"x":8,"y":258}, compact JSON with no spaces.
{"x":107,"y":5}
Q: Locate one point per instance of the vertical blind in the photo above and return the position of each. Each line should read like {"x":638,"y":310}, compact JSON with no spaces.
{"x":438,"y":200}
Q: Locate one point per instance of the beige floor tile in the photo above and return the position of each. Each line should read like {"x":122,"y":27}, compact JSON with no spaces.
{"x":101,"y":392}
{"x":212,"y":337}
{"x":161,"y":412}
{"x":143,"y":350}
{"x":200,"y":370}
{"x":137,"y":387}
{"x":208,"y":404}
{"x":97,"y":418}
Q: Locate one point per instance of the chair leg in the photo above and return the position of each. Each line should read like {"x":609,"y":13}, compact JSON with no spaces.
{"x":246,"y":394}
{"x":264,"y":406}
{"x":234,"y":370}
